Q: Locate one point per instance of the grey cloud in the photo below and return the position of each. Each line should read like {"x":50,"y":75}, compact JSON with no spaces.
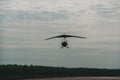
{"x":106,"y":11}
{"x":30,"y":15}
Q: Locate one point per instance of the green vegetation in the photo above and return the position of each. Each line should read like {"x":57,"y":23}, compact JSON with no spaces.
{"x":24,"y":71}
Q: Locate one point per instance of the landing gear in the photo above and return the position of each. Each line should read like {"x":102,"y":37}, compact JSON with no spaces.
{"x":63,"y":47}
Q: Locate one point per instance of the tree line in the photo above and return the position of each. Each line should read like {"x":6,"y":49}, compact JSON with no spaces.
{"x":46,"y":71}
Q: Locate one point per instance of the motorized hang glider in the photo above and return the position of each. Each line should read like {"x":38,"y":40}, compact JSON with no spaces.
{"x":64,"y":43}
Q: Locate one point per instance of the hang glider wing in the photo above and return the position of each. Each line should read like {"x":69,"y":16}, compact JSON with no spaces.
{"x":54,"y":37}
{"x":74,"y":36}
{"x":65,"y":36}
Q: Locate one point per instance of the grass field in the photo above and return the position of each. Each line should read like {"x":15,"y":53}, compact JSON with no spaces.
{"x":80,"y":78}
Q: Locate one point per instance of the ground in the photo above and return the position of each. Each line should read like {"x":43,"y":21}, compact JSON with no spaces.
{"x":80,"y":78}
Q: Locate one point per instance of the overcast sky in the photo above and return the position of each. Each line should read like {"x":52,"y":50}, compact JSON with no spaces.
{"x":24,"y":24}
